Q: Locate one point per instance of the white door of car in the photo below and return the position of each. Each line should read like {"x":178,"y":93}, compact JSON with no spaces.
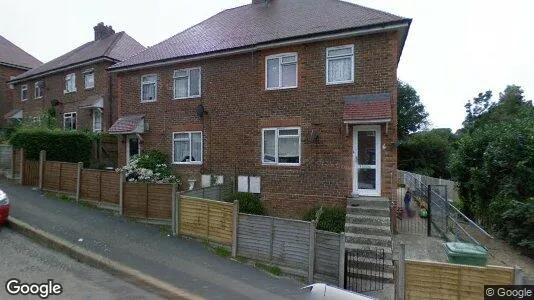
{"x":366,"y":160}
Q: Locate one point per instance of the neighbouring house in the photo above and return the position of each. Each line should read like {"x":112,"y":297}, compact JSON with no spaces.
{"x":293,"y":99}
{"x":13,"y":62}
{"x":76,"y":87}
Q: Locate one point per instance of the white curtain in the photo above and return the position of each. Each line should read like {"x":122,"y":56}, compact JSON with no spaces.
{"x":269,"y":151}
{"x":289,"y":74}
{"x":339,"y":69}
{"x":180,"y":87}
{"x":149,"y":91}
{"x":194,"y":86}
{"x":196,"y":147}
{"x":181,"y":147}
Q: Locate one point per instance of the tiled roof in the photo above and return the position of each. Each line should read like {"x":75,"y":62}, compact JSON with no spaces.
{"x":367,"y":107}
{"x":126,"y":124}
{"x":93,"y":101}
{"x":255,"y":24}
{"x":14,"y":113}
{"x":117,"y":47}
{"x":12,"y":55}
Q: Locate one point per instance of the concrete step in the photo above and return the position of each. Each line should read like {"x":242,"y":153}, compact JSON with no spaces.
{"x":367,"y":220}
{"x":369,"y":251}
{"x":368,"y":229}
{"x":370,"y":211}
{"x":369,"y":202}
{"x":370,"y":266}
{"x":366,"y":239}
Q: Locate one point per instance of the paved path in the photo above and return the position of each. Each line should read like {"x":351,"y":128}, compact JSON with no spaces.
{"x":181,"y":262}
{"x":30,"y":262}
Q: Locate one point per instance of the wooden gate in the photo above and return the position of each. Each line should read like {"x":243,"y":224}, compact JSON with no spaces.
{"x":31,"y":173}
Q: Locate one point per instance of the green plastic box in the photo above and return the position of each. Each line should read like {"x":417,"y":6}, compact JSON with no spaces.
{"x":466,"y":254}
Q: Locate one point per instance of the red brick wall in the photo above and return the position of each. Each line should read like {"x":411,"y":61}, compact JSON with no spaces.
{"x":7,"y":95}
{"x":238,"y":107}
{"x":54,"y":87}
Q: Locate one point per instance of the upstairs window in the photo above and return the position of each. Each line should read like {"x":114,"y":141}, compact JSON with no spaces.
{"x":70,"y":83}
{"x":281,"y":146}
{"x":24,"y":92}
{"x":187,"y":83}
{"x":149,"y":88}
{"x":340,"y":64}
{"x":69,"y":121}
{"x":281,"y":71}
{"x":187,"y":147}
{"x":89,"y":79}
{"x":38,"y":90}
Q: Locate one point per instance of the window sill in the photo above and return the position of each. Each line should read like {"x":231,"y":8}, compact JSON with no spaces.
{"x":69,"y":92}
{"x":37,"y":98}
{"x":340,"y":82}
{"x":281,"y":88}
{"x":148,"y":101}
{"x":188,"y":98}
{"x":187,"y":163}
{"x":280,"y":165}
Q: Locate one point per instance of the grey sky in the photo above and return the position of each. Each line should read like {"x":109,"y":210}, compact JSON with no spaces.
{"x":455,"y":48}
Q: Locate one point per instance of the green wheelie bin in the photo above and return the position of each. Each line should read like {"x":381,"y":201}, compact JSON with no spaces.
{"x":466,"y":254}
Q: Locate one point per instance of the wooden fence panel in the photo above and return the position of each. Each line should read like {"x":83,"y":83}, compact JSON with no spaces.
{"x":159,"y":201}
{"x":327,"y":246}
{"x":135,"y":200}
{"x":425,"y":280}
{"x":109,"y":185}
{"x":16,"y":163}
{"x":254,"y":237}
{"x":31,"y":173}
{"x":90,"y":188}
{"x":51,"y":175}
{"x":68,"y":175}
{"x":206,"y":219}
{"x":6,"y":152}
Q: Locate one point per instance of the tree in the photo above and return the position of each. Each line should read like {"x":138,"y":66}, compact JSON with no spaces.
{"x":412,"y":115}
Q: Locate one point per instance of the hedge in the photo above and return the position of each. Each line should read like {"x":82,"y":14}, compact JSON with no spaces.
{"x":69,"y":146}
{"x":331,"y":219}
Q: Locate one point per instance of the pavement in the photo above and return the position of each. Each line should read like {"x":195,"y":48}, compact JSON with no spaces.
{"x":30,"y":262}
{"x":181,"y":262}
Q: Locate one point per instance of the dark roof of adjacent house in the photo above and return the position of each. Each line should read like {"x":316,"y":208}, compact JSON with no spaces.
{"x":367,"y":107}
{"x":257,"y":24}
{"x":116,"y":47}
{"x":12,"y":55}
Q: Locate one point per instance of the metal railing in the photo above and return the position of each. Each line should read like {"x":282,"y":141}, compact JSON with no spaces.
{"x":364,"y":270}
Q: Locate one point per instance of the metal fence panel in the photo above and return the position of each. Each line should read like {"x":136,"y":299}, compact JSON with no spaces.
{"x":439,"y":209}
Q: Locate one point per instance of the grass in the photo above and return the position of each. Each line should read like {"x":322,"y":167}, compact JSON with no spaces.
{"x":241,"y":259}
{"x":164,"y":230}
{"x":223,"y":252}
{"x":270,"y":269}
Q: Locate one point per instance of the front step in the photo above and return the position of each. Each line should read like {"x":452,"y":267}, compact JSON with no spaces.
{"x":367,"y":220}
{"x":369,"y":211}
{"x":378,"y":202}
{"x":369,"y":251}
{"x":368,"y":229}
{"x":368,"y":239}
{"x":370,"y":265}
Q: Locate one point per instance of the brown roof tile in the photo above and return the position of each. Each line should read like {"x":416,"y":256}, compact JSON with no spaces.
{"x":367,"y":107}
{"x":12,"y":55}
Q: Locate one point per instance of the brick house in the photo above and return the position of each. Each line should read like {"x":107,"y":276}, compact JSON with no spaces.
{"x":13,"y":62}
{"x":274,"y":96}
{"x":76,"y":85}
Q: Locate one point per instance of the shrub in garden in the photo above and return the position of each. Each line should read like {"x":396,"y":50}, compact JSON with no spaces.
{"x":149,"y":167}
{"x":248,"y":203}
{"x":330,"y":219}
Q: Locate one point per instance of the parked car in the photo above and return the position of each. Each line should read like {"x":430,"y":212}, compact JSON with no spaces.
{"x":4,"y":207}
{"x":324,"y":291}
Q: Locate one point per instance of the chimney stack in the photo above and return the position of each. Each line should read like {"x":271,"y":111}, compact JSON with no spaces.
{"x":102,"y":31}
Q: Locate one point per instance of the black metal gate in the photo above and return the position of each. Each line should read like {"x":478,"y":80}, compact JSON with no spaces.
{"x":364,"y":270}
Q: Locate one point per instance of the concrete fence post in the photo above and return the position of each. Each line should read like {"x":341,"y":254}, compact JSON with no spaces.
{"x":42,"y":159}
{"x":78,"y":180}
{"x":21,"y":167}
{"x":174,"y":209}
{"x":518,"y":276}
{"x":178,"y":200}
{"x":121,"y":194}
{"x":342,"y":260}
{"x":401,"y":273}
{"x":235,"y":225}
{"x":311,"y":253}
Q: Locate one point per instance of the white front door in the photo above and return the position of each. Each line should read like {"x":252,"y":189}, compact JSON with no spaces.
{"x":366,"y":160}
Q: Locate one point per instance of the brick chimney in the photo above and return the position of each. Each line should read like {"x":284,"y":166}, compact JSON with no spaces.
{"x":102,"y":31}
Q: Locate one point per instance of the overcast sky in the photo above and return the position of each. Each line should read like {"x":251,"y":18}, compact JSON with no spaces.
{"x":455,"y":49}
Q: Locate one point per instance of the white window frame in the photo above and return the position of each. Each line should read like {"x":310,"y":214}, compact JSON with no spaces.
{"x":99,"y":111}
{"x":71,"y":76}
{"x":280,"y":56}
{"x":351,"y":46}
{"x":85,"y":75}
{"x":276,"y":137}
{"x":155,"y":83}
{"x":72,"y":114}
{"x":37,"y":87}
{"x":199,"y":162}
{"x":188,"y":70}
{"x":24,"y":88}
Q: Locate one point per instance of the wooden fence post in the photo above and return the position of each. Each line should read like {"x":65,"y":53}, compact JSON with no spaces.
{"x":21,"y":180}
{"x":174,"y":208}
{"x":42,"y":159}
{"x":401,"y":272}
{"x":12,"y":163}
{"x":178,"y":198}
{"x":78,"y":180}
{"x":121,"y":194}
{"x":518,"y":276}
{"x":311,"y":253}
{"x":235,"y":224}
{"x":342,"y":260}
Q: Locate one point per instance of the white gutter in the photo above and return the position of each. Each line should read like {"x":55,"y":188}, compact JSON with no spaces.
{"x":15,"y":81}
{"x":267,"y":46}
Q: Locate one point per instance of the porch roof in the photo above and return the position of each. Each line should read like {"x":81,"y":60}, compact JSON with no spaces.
{"x":128,"y":124}
{"x":367,"y":108}
{"x":93,"y":101}
{"x":15,"y":113}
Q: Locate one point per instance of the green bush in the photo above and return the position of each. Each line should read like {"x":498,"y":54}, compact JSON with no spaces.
{"x":331,"y":219}
{"x":516,"y":224}
{"x":248,"y":203}
{"x":69,"y":146}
